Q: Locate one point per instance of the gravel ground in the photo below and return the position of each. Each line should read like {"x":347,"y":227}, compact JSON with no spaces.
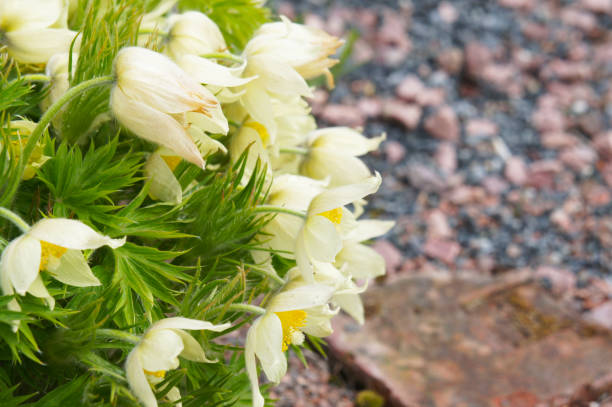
{"x":499,"y":146}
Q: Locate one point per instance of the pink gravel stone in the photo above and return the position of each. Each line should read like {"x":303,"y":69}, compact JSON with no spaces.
{"x":393,"y":257}
{"x":446,"y":157}
{"x":601,"y":315}
{"x":448,"y":12}
{"x":445,"y":250}
{"x":443,"y":124}
{"x":480,"y":127}
{"x":580,"y":157}
{"x":407,"y":114}
{"x":516,"y":170}
{"x":343,"y":115}
{"x":394,"y":151}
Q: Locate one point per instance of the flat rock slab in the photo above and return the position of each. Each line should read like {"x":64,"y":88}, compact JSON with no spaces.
{"x":472,"y":341}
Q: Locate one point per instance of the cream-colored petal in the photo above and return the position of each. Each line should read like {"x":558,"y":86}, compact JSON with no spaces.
{"x":216,"y":123}
{"x":300,"y":297}
{"x":24,"y":14}
{"x":360,"y":261}
{"x":39,"y":44}
{"x":251,"y":367}
{"x":138,"y":381}
{"x":344,"y":139}
{"x":302,"y":258}
{"x":340,"y":196}
{"x":164,"y":185}
{"x":321,"y":239}
{"x":187,"y":323}
{"x":71,"y":234}
{"x":339,"y":168}
{"x":258,"y":103}
{"x":282,"y":232}
{"x":268,"y":347}
{"x":192,"y":349}
{"x":207,"y":72}
{"x":21,"y":262}
{"x":38,"y":289}
{"x":368,"y":229}
{"x":74,"y":270}
{"x":351,"y":304}
{"x":174,"y":395}
{"x":318,"y":321}
{"x":154,"y":126}
{"x":159,"y":350}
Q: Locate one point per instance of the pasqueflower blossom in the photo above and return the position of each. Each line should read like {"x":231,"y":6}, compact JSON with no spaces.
{"x":333,"y":152}
{"x":33,"y":30}
{"x":52,"y":245}
{"x":158,"y":351}
{"x":320,"y":237}
{"x":297,"y":309}
{"x":158,"y":101}
{"x":159,"y":169}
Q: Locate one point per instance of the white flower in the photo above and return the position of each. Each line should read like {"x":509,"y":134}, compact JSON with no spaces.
{"x":158,"y":351}
{"x":20,"y":131}
{"x":320,"y":238}
{"x":159,"y":102}
{"x":33,"y":30}
{"x":306,"y":49}
{"x":52,"y":245}
{"x":57,"y":70}
{"x":253,"y":137}
{"x":193,"y":33}
{"x":333,"y":154}
{"x":296,"y":309}
{"x":361,"y":261}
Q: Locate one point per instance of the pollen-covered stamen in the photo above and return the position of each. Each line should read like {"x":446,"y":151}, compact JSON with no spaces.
{"x":334,"y":215}
{"x":172,"y":161}
{"x":158,"y":373}
{"x":49,"y":254}
{"x":292,"y":321}
{"x":261,"y":130}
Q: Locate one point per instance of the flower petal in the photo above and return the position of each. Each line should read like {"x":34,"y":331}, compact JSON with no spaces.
{"x":159,"y":350}
{"x":164,"y":185}
{"x":351,"y":304}
{"x":207,"y":72}
{"x":361,"y":261}
{"x":192,"y":350}
{"x":154,"y":126}
{"x":138,"y":381}
{"x":71,"y":234}
{"x":37,"y":45}
{"x":269,"y":346}
{"x":38,"y":289}
{"x":321,"y":239}
{"x":74,"y":270}
{"x":187,"y":323}
{"x":251,"y":367}
{"x":369,"y":229}
{"x":300,"y":297}
{"x":21,"y":262}
{"x":340,"y":196}
{"x":318,"y":321}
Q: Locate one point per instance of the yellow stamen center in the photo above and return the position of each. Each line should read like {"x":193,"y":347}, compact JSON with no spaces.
{"x":171,"y":160}
{"x":261,"y":130}
{"x":291,"y":322}
{"x":49,"y":252}
{"x":158,"y":373}
{"x":334,"y":215}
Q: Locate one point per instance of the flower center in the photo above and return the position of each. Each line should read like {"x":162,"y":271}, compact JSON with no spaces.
{"x":334,"y":215}
{"x":261,"y":130}
{"x":49,"y":254}
{"x":291,"y":322}
{"x":172,"y":161}
{"x":158,"y":373}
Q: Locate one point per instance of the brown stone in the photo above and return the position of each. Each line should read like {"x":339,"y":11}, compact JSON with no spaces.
{"x":516,"y":170}
{"x":446,"y":157}
{"x":480,"y":127}
{"x":409,"y":88}
{"x":451,"y":60}
{"x":445,"y":250}
{"x":343,"y":115}
{"x":433,"y":340}
{"x":407,"y":114}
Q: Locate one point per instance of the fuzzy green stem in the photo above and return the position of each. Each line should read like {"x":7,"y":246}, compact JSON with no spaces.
{"x":44,"y":122}
{"x":221,"y":55}
{"x":155,"y":31}
{"x":16,"y":219}
{"x":294,"y":150}
{"x":278,"y":209}
{"x":119,"y":335}
{"x":253,"y":309}
{"x":36,"y":77}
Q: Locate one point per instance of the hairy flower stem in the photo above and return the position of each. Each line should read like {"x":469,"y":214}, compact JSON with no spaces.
{"x":253,"y":309}
{"x":16,"y":219}
{"x":278,"y":209}
{"x":36,"y":77}
{"x":119,"y":335}
{"x":42,"y":125}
